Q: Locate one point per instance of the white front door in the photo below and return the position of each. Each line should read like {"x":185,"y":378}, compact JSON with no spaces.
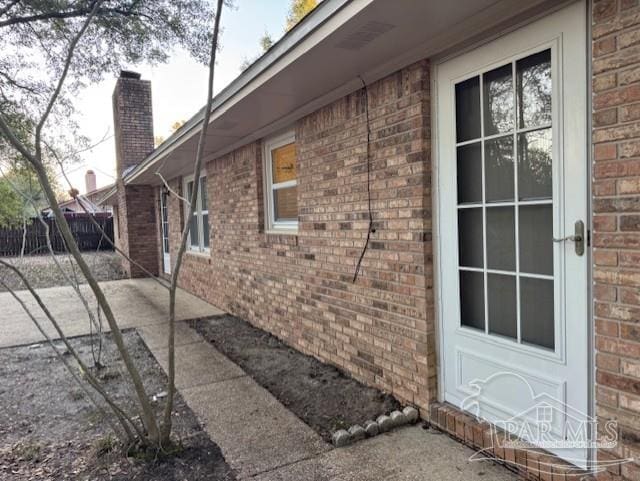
{"x":512,"y":183}
{"x":164,"y":217}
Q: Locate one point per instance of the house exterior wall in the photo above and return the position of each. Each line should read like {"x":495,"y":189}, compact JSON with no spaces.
{"x":616,"y":221}
{"x":379,"y":328}
{"x":138,"y":229}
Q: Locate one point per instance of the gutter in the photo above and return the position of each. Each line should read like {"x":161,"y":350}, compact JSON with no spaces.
{"x":112,"y":191}
{"x":310,"y":23}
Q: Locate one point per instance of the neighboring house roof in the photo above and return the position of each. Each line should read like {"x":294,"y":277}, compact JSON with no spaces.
{"x":91,"y":201}
{"x":329,"y":54}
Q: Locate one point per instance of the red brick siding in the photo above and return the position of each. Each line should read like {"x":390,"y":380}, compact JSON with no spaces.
{"x":138,"y":229}
{"x":299,"y":287}
{"x":381,"y":329}
{"x":616,"y":214}
{"x":133,"y":122}
{"x":530,"y":463}
{"x":136,"y":211}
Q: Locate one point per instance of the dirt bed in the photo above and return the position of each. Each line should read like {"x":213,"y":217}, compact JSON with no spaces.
{"x":322,"y":396}
{"x":49,"y":430}
{"x":41,"y":271}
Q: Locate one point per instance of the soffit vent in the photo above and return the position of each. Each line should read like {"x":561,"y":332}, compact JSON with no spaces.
{"x":364,"y":35}
{"x":224,"y":125}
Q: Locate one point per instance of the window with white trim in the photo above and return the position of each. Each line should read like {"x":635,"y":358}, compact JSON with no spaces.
{"x":281,"y":183}
{"x":199,"y":222}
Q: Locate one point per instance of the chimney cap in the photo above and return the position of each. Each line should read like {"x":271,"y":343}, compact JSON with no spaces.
{"x":90,"y":172}
{"x":129,"y":74}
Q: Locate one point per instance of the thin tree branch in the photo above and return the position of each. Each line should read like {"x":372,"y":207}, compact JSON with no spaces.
{"x":75,"y":285}
{"x":85,"y":370}
{"x":17,"y":84}
{"x":61,"y":161}
{"x":63,"y":75}
{"x":120,"y":251}
{"x":166,"y":423}
{"x":60,"y":355}
{"x":9,"y":6}
{"x":81,"y":12}
{"x":104,"y":234}
{"x":145,"y":405}
{"x":168,"y":187}
{"x":14,"y":141}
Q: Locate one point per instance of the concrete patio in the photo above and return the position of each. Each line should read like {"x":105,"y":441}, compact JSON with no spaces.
{"x":259,"y":437}
{"x":135,"y":303}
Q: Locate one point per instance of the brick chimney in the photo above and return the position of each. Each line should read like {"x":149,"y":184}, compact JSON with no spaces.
{"x":132,"y":120}
{"x":90,"y":181}
{"x":135,"y":213}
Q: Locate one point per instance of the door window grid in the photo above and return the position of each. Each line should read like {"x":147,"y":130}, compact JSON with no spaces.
{"x":165,"y":222}
{"x":515,"y":132}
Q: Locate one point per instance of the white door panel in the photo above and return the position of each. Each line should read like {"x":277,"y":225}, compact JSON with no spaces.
{"x":512,"y":177}
{"x":164,"y":219}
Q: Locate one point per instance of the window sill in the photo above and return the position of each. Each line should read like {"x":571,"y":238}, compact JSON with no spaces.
{"x":281,"y":232}
{"x":199,"y":254}
{"x":282,"y":237}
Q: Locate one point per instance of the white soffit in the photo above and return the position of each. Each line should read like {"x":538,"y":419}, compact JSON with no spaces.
{"x":367,"y":38}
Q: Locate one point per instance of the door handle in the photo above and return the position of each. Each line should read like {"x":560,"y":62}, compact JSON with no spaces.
{"x":577,"y":237}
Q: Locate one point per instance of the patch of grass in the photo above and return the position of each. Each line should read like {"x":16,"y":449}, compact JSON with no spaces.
{"x":105,"y":445}
{"x":93,"y":417}
{"x":337,"y":423}
{"x":147,"y":453}
{"x":76,"y":395}
{"x":108,"y":375}
{"x":26,"y":451}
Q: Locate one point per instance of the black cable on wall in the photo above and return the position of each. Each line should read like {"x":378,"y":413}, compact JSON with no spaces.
{"x":370,"y":229}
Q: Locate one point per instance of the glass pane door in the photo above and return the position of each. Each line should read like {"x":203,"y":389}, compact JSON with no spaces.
{"x":165,"y":222}
{"x":505,"y":202}
{"x":164,"y":219}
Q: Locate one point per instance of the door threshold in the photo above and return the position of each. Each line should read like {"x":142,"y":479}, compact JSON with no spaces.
{"x":487,"y":440}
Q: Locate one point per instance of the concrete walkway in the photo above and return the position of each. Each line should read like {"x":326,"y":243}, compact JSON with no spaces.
{"x":259,"y":437}
{"x":263,"y":440}
{"x":135,"y":303}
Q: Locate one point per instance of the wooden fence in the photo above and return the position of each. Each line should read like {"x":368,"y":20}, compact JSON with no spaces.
{"x":87,"y":235}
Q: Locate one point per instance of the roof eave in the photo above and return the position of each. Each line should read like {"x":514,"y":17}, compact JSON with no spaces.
{"x":318,"y":17}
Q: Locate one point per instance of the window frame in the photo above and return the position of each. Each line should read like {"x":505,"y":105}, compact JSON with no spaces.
{"x":271,"y":224}
{"x":199,"y":212}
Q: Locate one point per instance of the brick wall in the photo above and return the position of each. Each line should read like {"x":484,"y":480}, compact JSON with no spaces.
{"x":616,"y":221}
{"x":381,"y":329}
{"x":136,"y":209}
{"x":132,"y":120}
{"x":138,"y":234}
{"x":299,"y":287}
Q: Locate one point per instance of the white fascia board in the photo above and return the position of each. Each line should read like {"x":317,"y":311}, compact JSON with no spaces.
{"x":311,"y":31}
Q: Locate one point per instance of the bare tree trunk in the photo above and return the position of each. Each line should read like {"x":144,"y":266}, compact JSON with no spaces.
{"x":24,"y":236}
{"x":125,"y":420}
{"x":35,"y":159}
{"x":120,"y":251}
{"x":72,"y":282}
{"x":166,"y":423}
{"x":66,"y":363}
{"x":65,"y":230}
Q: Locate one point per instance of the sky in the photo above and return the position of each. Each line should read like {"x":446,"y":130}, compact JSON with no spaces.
{"x":178,"y":87}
